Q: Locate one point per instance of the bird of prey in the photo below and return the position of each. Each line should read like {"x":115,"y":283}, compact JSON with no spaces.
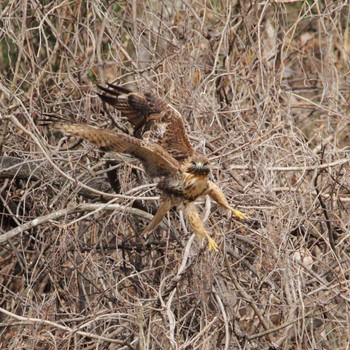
{"x":161,"y":144}
{"x":158,"y":122}
{"x":180,"y":184}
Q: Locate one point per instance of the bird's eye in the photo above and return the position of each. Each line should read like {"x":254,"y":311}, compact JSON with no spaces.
{"x":193,"y":163}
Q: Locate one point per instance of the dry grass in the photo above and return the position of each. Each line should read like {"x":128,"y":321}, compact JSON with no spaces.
{"x":264,"y":90}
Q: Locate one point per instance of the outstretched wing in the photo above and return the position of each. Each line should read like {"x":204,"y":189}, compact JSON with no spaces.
{"x":152,"y":118}
{"x":156,"y":161}
{"x":136,"y":107}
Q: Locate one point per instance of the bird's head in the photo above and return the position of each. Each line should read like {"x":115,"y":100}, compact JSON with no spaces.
{"x":199,"y":166}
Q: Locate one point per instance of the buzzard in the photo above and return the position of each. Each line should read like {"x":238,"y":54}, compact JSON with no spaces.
{"x":156,"y":121}
{"x":161,"y":144}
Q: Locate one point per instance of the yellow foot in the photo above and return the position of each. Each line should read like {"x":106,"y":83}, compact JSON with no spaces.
{"x":212,"y":244}
{"x":239,"y":215}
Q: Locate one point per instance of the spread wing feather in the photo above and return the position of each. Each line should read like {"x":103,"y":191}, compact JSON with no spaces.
{"x":152,"y":118}
{"x":134,"y":106}
{"x":156,"y":161}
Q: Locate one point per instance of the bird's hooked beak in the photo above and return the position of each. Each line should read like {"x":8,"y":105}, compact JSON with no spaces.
{"x":200,"y":165}
{"x":199,"y":168}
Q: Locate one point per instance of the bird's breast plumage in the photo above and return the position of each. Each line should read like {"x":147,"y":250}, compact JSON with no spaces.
{"x":194,"y":186}
{"x":186,"y":187}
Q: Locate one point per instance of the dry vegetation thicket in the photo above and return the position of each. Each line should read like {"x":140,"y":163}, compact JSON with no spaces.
{"x":264,"y":89}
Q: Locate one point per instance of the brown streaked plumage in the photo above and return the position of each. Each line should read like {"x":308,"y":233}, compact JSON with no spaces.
{"x":156,"y":161}
{"x":180,"y":184}
{"x":154,"y":119}
{"x":161,"y":143}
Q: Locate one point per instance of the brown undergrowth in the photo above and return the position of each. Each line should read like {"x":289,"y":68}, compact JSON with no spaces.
{"x":263,"y":88}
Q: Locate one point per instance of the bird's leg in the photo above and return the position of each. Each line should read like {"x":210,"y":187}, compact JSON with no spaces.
{"x":165,"y":206}
{"x":197,"y":226}
{"x":216,"y":194}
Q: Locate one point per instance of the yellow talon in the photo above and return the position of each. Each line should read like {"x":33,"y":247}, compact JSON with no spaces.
{"x":212,"y":244}
{"x":239,"y":215}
